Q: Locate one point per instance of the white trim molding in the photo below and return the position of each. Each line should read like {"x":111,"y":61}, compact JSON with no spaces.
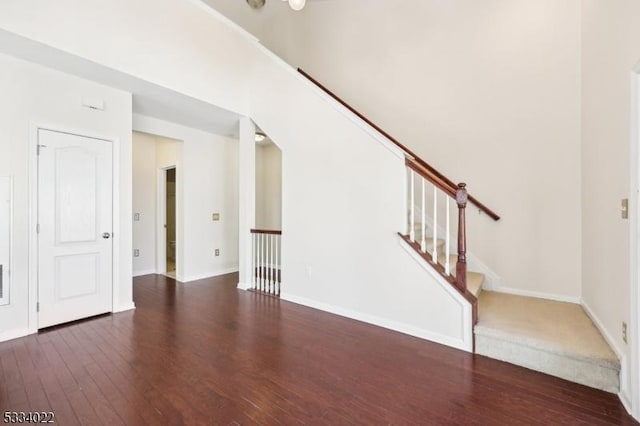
{"x":14,"y":334}
{"x":378,"y":321}
{"x":625,"y":391}
{"x":125,"y":307}
{"x":536,"y":294}
{"x":632,"y":402}
{"x":206,"y":275}
{"x":244,"y":286}
{"x":145,"y":272}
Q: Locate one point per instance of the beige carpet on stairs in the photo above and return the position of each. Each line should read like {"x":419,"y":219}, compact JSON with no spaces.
{"x":552,"y":337}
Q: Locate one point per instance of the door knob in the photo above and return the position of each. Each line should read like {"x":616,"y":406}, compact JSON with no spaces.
{"x":106,"y":235}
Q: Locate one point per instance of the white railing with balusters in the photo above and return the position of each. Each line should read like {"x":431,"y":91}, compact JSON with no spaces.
{"x":429,"y":201}
{"x":266,"y":260}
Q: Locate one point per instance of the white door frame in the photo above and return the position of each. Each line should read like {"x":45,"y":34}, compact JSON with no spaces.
{"x":634,"y":228}
{"x":34,"y":128}
{"x":161,"y":217}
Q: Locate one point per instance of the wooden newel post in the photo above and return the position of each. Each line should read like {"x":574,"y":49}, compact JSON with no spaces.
{"x":461,"y":265}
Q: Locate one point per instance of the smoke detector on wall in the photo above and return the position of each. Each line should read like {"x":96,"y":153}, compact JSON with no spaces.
{"x":293,"y":4}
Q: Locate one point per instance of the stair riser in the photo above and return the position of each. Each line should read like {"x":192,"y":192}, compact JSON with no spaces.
{"x":578,"y":371}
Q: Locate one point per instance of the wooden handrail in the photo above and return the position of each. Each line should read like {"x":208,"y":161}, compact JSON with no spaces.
{"x":433,"y":173}
{"x":266,"y":231}
{"x":443,"y":186}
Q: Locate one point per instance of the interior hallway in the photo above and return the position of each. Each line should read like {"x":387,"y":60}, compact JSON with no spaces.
{"x":207,"y":353}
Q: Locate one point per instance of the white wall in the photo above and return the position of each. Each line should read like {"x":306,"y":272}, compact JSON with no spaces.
{"x":268,"y":187}
{"x":175,"y":46}
{"x":6,"y":195}
{"x":207,"y":174}
{"x":144,"y":202}
{"x":488,"y":92}
{"x":340,"y":215}
{"x":611,"y":51}
{"x":33,"y":95}
{"x":151,"y":153}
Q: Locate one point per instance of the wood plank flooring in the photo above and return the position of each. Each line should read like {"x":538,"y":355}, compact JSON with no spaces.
{"x":207,"y":353}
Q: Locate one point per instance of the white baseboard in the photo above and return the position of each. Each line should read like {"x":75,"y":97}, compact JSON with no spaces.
{"x":145,"y":272}
{"x":494,"y":282}
{"x":625,"y":391}
{"x":625,"y":400}
{"x":596,"y":321}
{"x":245,"y":286}
{"x":14,"y":334}
{"x":209,"y":275}
{"x":125,"y":307}
{"x":380,"y":322}
{"x":536,"y":294}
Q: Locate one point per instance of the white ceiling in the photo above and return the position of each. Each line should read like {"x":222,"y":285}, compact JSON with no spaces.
{"x":148,"y":98}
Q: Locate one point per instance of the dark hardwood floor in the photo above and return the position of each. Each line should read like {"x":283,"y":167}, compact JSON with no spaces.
{"x":207,"y":353}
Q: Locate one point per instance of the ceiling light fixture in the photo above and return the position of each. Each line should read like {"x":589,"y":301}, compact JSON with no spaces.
{"x":296,"y":4}
{"x":260,"y":137}
{"x":255,"y":4}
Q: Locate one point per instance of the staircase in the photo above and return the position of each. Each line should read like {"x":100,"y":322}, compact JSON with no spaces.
{"x":555,"y":338}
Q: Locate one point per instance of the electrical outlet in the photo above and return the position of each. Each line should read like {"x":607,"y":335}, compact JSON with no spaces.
{"x":217,"y":252}
{"x":136,"y":252}
{"x":624,"y":332}
{"x":136,"y":217}
{"x":215,"y":217}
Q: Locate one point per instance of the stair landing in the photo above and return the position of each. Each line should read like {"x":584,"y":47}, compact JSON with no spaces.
{"x":552,"y":337}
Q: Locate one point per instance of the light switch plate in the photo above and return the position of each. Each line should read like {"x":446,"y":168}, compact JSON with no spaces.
{"x":136,"y":217}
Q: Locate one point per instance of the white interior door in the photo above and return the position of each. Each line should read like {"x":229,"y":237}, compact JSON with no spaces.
{"x":75,"y":249}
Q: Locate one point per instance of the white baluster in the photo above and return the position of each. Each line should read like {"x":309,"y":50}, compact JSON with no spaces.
{"x":262,"y":246}
{"x":447,"y":266}
{"x":267,"y":271}
{"x":412,"y":234}
{"x":253,"y":261}
{"x":266,"y":262}
{"x":270,"y":263}
{"x":277,"y":263}
{"x":434,"y":255}
{"x":423,"y":241}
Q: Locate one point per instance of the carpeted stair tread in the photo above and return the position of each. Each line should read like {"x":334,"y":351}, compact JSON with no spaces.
{"x":556,"y":338}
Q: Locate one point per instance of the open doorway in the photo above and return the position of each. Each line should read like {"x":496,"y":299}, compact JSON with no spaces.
{"x":157,"y":205}
{"x":170,"y":221}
